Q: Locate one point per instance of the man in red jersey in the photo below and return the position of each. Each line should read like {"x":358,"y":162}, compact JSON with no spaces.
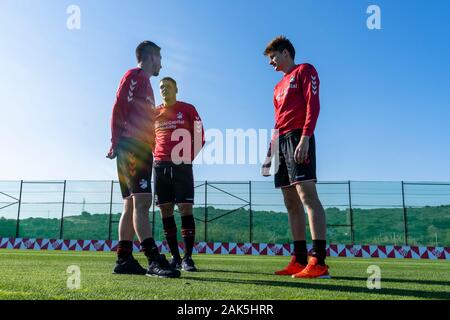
{"x":296,"y":101}
{"x":179,"y":138}
{"x":132,"y":128}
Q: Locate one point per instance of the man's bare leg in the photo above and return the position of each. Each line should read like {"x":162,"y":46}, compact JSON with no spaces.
{"x":316,"y":214}
{"x":126,"y":231}
{"x":126,"y":264}
{"x":297,"y":223}
{"x":296,"y":214}
{"x":141,"y":221}
{"x":126,"y":228}
{"x":317,"y":220}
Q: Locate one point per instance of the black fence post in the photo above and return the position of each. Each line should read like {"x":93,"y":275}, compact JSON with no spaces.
{"x":18,"y":210}
{"x":352,"y":231}
{"x":405,"y":215}
{"x":250,"y":211}
{"x":110,"y":210}
{"x":61,"y":234}
{"x":206,"y":210}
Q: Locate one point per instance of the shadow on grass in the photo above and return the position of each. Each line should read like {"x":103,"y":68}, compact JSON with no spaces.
{"x":427,"y":282}
{"x":235,"y":271}
{"x":326,"y":285}
{"x":424,"y":282}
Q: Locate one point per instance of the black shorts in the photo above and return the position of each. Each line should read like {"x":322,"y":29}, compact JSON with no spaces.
{"x":289,"y":172}
{"x":174,"y":183}
{"x":134,"y":167}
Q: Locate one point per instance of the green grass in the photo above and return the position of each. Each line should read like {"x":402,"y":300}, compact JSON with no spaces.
{"x":27,"y":274}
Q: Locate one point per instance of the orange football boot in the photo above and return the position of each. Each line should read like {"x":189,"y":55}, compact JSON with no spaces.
{"x":313,"y":270}
{"x":292,"y":268}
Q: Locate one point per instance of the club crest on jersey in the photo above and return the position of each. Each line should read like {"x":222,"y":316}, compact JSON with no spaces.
{"x":179,"y":116}
{"x":143,"y":184}
{"x":292,"y":83}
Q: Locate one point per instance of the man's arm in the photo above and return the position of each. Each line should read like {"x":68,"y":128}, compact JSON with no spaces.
{"x":310,"y":85}
{"x":124,"y":97}
{"x":309,"y":80}
{"x":198,"y":134}
{"x":265,"y":168}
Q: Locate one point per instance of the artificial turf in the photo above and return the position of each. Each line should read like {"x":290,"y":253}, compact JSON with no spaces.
{"x":28,"y":274}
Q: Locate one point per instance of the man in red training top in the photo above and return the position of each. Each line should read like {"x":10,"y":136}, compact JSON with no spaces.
{"x":179,"y":138}
{"x":132,"y":127}
{"x":296,"y":101}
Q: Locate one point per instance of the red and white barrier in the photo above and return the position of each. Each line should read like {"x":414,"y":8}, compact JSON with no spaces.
{"x":333,"y":250}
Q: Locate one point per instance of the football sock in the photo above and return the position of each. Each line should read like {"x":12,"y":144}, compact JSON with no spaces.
{"x":319,"y":251}
{"x":124,"y":249}
{"x":150,"y":249}
{"x":170,"y":230}
{"x":301,"y":252}
{"x":188,"y":233}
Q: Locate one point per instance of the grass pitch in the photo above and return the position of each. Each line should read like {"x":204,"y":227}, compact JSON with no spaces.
{"x":27,"y":274}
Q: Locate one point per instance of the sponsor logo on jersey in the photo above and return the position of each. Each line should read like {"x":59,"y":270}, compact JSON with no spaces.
{"x":179,"y":116}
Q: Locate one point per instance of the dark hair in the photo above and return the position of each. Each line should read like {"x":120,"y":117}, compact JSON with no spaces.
{"x":169,"y":79}
{"x":279,"y":44}
{"x":146,"y":49}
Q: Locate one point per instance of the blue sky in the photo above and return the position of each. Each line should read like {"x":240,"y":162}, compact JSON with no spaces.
{"x":384,"y":93}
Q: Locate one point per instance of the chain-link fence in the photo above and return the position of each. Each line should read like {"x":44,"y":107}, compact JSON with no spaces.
{"x":358,"y":212}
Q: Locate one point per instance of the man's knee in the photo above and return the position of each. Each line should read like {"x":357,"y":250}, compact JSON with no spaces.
{"x":309,"y":199}
{"x":291,"y":201}
{"x":128,"y":206}
{"x":308,"y":194}
{"x":166,"y":210}
{"x":142,"y":202}
{"x":185,"y":209}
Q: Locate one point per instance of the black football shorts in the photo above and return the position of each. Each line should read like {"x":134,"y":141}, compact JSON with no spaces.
{"x":174,"y":183}
{"x":134,"y":167}
{"x":290,"y":172}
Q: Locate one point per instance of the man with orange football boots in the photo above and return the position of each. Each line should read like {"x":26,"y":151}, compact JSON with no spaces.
{"x":296,"y":101}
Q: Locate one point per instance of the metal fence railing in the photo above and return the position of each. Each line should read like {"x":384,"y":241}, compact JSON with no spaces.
{"x":412,"y":213}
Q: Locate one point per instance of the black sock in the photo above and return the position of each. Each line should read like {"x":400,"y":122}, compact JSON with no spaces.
{"x":188,"y":233}
{"x":319,"y":251}
{"x":124,"y":249}
{"x":301,"y":252}
{"x":150,"y":249}
{"x":170,"y":230}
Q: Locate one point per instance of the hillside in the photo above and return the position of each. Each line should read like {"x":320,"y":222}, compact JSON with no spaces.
{"x":371,"y":226}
